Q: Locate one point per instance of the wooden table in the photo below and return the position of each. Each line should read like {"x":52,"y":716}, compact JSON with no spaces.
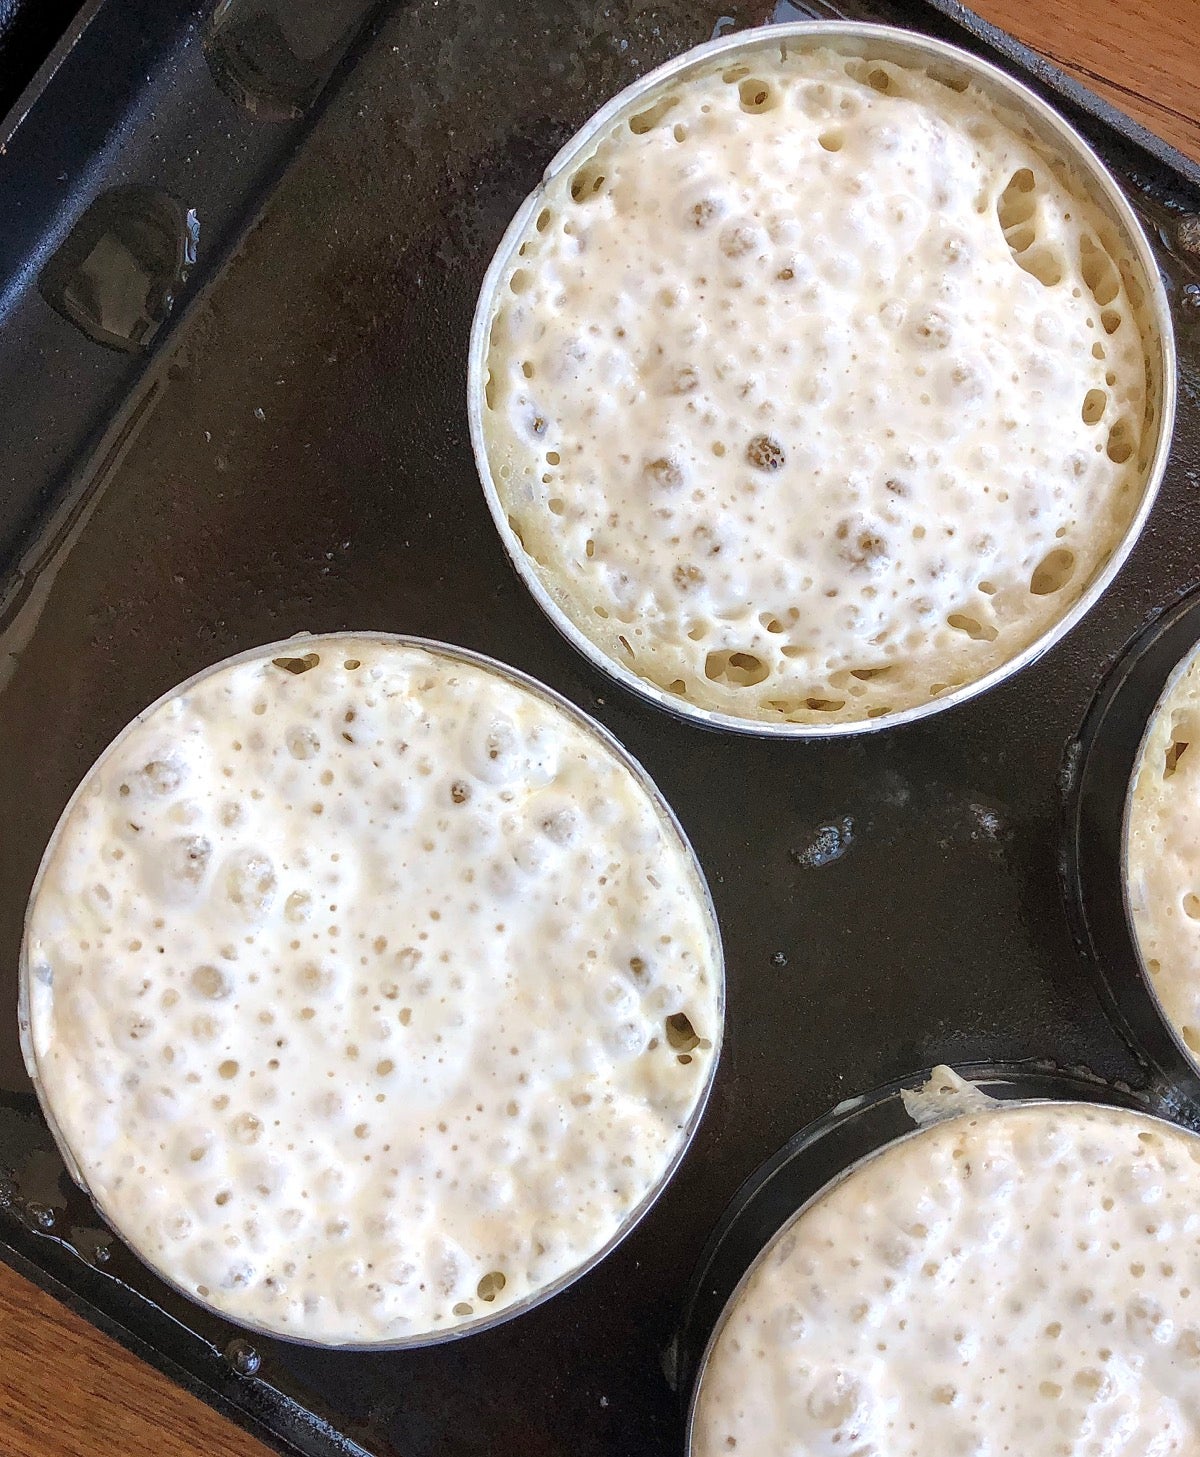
{"x":68,"y":1391}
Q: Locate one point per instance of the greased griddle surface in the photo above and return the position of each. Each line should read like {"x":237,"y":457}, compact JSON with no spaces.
{"x":886,"y":903}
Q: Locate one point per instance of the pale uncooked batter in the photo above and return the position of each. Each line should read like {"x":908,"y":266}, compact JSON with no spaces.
{"x":1020,"y":1282}
{"x":816,"y":389}
{"x":371,"y":991}
{"x":1163,"y":847}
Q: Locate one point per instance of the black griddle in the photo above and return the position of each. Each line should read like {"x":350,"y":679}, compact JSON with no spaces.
{"x":232,"y":407}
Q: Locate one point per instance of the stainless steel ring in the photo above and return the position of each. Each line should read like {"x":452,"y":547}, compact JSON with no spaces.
{"x":881,"y":42}
{"x":1013,"y":1086}
{"x":596,"y":731}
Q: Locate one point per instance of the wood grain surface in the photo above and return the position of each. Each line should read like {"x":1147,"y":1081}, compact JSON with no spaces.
{"x":1142,"y":55}
{"x":68,"y":1391}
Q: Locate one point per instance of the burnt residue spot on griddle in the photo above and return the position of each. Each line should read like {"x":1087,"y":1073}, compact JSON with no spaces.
{"x":117,"y":275}
{"x":827,"y":843}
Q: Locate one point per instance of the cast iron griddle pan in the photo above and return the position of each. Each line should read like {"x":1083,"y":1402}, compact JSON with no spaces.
{"x":268,"y":433}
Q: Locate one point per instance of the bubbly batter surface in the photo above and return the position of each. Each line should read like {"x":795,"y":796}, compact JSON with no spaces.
{"x":1018,"y":1281}
{"x":816,"y":389}
{"x":1163,"y":848}
{"x":371,"y":991}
